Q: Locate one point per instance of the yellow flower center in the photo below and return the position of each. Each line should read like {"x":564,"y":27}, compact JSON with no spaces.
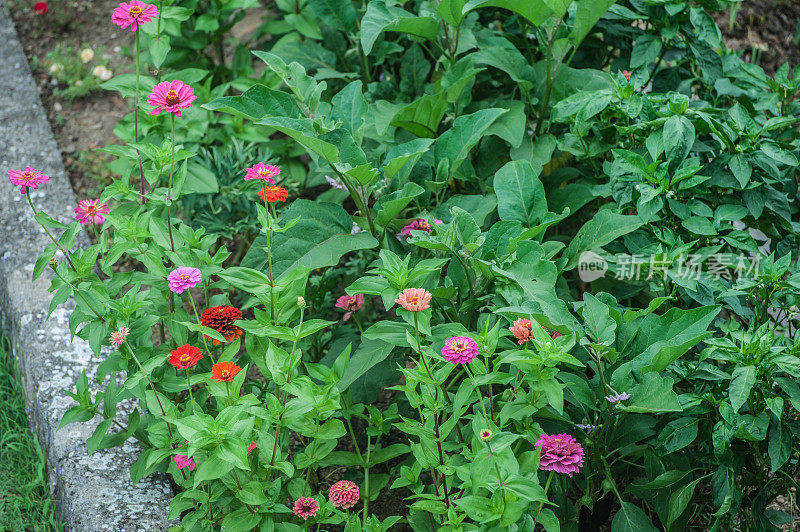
{"x":413,"y":300}
{"x":172,"y":97}
{"x":27,"y":176}
{"x":184,"y":276}
{"x":135,"y":11}
{"x":351,"y":301}
{"x":225,"y":374}
{"x":459,"y":346}
{"x":185,"y":358}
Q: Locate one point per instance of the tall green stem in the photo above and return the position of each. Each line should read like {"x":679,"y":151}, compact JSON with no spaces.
{"x":269,"y":261}
{"x":200,"y":323}
{"x":35,"y":213}
{"x":136,"y":119}
{"x":169,"y":184}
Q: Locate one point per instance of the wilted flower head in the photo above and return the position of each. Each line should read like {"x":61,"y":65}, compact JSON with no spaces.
{"x":224,"y":371}
{"x":170,"y":97}
{"x":184,"y":461}
{"x":117,"y":338}
{"x":184,"y":278}
{"x":273,"y":194}
{"x":306,"y":507}
{"x":522,"y":329}
{"x":560,"y":453}
{"x":618,"y":398}
{"x":222,"y":319}
{"x":185,"y":356}
{"x":267,"y":172}
{"x":87,"y":54}
{"x":414,"y":299}
{"x":91,"y":212}
{"x":30,"y":177}
{"x":344,"y":494}
{"x":485,"y":434}
{"x":420,"y":224}
{"x":133,"y":14}
{"x":350,"y":304}
{"x":460,"y":350}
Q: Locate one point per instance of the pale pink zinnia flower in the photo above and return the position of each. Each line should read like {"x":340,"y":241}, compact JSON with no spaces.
{"x":91,"y":212}
{"x":560,"y":453}
{"x":184,"y":278}
{"x":350,"y":304}
{"x":306,"y":507}
{"x":117,"y":338}
{"x":267,"y":172}
{"x":344,"y":494}
{"x":30,"y":177}
{"x":420,"y":224}
{"x":170,"y":97}
{"x":460,"y":350}
{"x":414,"y":299}
{"x":133,"y":14}
{"x":184,"y":461}
{"x":523,"y":330}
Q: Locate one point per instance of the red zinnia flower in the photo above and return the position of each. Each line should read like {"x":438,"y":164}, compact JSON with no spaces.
{"x":221,"y":320}
{"x":274,"y":194}
{"x":224,"y":371}
{"x":40,"y":8}
{"x":251,"y":447}
{"x":185,"y":356}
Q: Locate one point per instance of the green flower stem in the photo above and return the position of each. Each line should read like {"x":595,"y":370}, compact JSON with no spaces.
{"x":136,"y":118}
{"x":35,"y":212}
{"x":269,"y":261}
{"x":359,"y":201}
{"x":169,"y":184}
{"x":366,"y":483}
{"x":480,"y":396}
{"x":200,"y":323}
{"x":189,"y":387}
{"x":497,"y":468}
{"x":546,"y":487}
{"x":77,"y":292}
{"x":358,"y":323}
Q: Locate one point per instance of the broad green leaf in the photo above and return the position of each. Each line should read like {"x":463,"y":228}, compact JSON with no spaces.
{"x":302,"y":130}
{"x":511,"y":126}
{"x":679,"y":500}
{"x":678,"y":139}
{"x":380,"y":17}
{"x":350,"y":107}
{"x":605,"y":227}
{"x":631,"y":518}
{"x":536,"y":11}
{"x":368,"y":354}
{"x":456,"y":143}
{"x":339,"y":14}
{"x":400,"y":159}
{"x":654,"y":394}
{"x":597,"y":320}
{"x":742,"y":380}
{"x":422,"y":116}
{"x":587,"y":13}
{"x":256,"y":103}
{"x":520,"y":194}
{"x":390,"y":205}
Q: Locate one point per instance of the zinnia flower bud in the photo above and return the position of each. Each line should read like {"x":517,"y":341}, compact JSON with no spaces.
{"x":486,"y":434}
{"x":53,"y":262}
{"x":301,"y":302}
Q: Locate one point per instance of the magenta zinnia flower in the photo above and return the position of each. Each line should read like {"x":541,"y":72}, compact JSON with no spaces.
{"x":184,"y":461}
{"x":560,"y":453}
{"x":117,"y":338}
{"x":460,"y":350}
{"x":91,"y":212}
{"x":344,"y":494}
{"x":170,"y":97}
{"x":350,"y":303}
{"x":133,"y":14}
{"x":414,"y":299}
{"x":420,"y":224}
{"x":618,"y":398}
{"x":184,"y":278}
{"x":267,"y":172}
{"x":30,"y":177}
{"x":306,"y":507}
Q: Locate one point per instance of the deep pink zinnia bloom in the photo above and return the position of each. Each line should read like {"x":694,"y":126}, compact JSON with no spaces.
{"x":117,"y":338}
{"x":251,"y":447}
{"x":184,"y":461}
{"x":267,"y":172}
{"x":184,"y":278}
{"x":306,"y":507}
{"x":560,"y":453}
{"x":133,"y":14}
{"x":420,"y":224}
{"x":91,"y":212}
{"x":460,"y":350}
{"x":350,"y":304}
{"x":344,"y":494}
{"x":30,"y":177}
{"x":171,"y":97}
{"x":414,"y":299}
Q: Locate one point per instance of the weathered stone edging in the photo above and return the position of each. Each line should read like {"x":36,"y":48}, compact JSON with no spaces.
{"x":92,"y":493}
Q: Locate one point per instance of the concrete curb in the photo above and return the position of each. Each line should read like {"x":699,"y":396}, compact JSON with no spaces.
{"x":92,"y":493}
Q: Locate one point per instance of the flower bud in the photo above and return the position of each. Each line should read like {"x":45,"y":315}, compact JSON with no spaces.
{"x":486,"y":434}
{"x":301,"y":302}
{"x":52,"y":262}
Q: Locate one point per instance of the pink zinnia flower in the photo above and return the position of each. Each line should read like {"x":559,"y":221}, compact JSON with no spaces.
{"x":306,"y":507}
{"x":267,"y":172}
{"x":350,"y":304}
{"x":133,"y":14}
{"x":170,"y":97}
{"x":414,"y":299}
{"x":90,"y":212}
{"x":420,"y":224}
{"x":117,"y":338}
{"x":560,"y":453}
{"x":344,"y":494}
{"x":30,"y":177}
{"x":460,"y":350}
{"x":183,"y":278}
{"x":626,"y":74}
{"x":523,"y":330}
{"x":184,"y":461}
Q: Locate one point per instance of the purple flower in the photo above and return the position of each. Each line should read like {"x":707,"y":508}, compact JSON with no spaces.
{"x":420,"y":224}
{"x":585,"y":427}
{"x":460,"y":350}
{"x":184,"y":461}
{"x":560,"y":453}
{"x":184,"y":278}
{"x":335,"y":183}
{"x":617,"y":399}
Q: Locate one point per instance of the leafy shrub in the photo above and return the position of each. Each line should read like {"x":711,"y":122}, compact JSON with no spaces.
{"x":568,"y":291}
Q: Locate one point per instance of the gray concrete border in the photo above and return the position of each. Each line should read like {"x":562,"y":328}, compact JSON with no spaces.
{"x":92,"y":493}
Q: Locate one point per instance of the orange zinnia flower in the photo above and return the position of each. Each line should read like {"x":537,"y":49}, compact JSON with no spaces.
{"x":185,"y":356}
{"x":222,"y":319}
{"x":274,"y":194}
{"x":224,"y":371}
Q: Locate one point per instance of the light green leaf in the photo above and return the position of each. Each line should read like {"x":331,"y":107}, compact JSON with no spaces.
{"x":380,"y":17}
{"x":605,"y":227}
{"x":742,"y":381}
{"x":520,"y":194}
{"x":456,"y":143}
